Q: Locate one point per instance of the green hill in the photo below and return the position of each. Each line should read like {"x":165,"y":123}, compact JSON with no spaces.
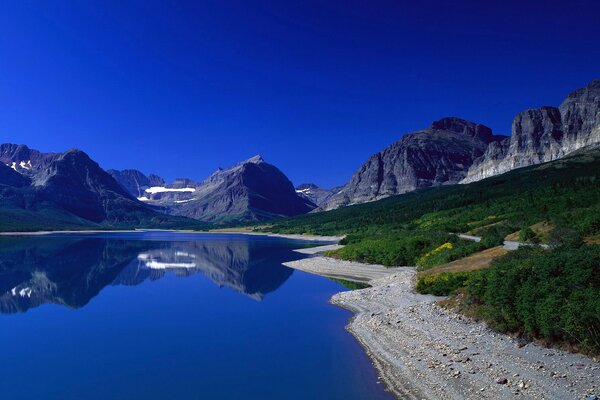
{"x":400,"y":230}
{"x":552,"y":294}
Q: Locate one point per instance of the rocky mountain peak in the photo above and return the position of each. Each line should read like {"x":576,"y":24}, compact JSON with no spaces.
{"x":580,"y":113}
{"x":257,"y":159}
{"x":459,"y":125}
{"x":544,"y":134}
{"x":438,"y":155}
{"x":314,"y":193}
{"x":135,"y":182}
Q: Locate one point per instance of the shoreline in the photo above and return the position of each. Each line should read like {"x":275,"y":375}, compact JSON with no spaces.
{"x":423,"y":351}
{"x":311,"y":238}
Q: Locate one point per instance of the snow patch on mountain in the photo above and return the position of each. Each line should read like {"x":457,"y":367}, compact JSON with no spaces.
{"x":162,"y":189}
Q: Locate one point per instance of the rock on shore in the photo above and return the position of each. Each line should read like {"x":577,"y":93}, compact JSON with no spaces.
{"x":423,"y":351}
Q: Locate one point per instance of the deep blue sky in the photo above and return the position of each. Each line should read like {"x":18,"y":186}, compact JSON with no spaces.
{"x":179,"y":88}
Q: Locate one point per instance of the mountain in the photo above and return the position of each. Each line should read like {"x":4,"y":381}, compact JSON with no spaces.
{"x":453,"y":150}
{"x":314,"y":193}
{"x":56,"y":190}
{"x":251,"y":190}
{"x":10,"y":177}
{"x":135,"y":182}
{"x":438,"y":155}
{"x":544,"y":134}
{"x":22,"y":159}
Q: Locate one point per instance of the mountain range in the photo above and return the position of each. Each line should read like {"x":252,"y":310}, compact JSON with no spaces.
{"x":453,"y":150}
{"x":251,"y":190}
{"x":67,"y":190}
{"x":71,"y":191}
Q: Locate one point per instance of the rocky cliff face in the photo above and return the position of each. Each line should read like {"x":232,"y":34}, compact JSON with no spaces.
{"x":438,"y":155}
{"x":135,"y":182}
{"x":250,"y":190}
{"x":314,"y":193}
{"x":70,"y":185}
{"x":544,"y":134}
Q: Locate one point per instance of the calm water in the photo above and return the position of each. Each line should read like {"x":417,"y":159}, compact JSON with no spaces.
{"x":165,"y":315}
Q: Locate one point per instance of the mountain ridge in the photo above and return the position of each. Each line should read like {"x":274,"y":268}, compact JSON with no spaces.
{"x":437,"y":155}
{"x":431,"y":157}
{"x":249,"y":190}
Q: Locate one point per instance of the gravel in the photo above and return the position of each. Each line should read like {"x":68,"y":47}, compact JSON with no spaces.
{"x":423,"y":351}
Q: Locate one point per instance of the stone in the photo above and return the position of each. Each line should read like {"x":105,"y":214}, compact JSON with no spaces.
{"x":544,"y":134}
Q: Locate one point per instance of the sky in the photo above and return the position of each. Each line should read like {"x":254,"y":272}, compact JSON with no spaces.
{"x":180,"y":88}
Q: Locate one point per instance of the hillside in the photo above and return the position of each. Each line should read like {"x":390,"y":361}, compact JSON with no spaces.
{"x":252,"y":190}
{"x":54,"y":191}
{"x":547,"y":294}
{"x":453,"y":150}
{"x":565,"y":192}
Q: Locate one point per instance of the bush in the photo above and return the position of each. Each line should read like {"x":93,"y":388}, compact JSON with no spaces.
{"x":565,"y":237}
{"x":442,"y":284}
{"x":527,"y":235}
{"x":449,"y":251}
{"x":553,"y":295}
{"x":400,"y":250}
{"x":494,"y":235}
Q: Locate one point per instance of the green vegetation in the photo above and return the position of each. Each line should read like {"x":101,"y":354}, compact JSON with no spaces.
{"x":55,"y":219}
{"x":527,"y":235}
{"x":551,"y":295}
{"x":454,"y":249}
{"x":402,"y":229}
{"x":548,"y":294}
{"x":442,"y":284}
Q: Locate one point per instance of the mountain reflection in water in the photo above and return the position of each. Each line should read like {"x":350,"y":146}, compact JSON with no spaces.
{"x":73,"y":270}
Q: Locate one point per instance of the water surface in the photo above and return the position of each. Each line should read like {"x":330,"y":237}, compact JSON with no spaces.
{"x":165,"y":315}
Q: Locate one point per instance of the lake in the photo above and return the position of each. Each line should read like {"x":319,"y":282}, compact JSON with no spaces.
{"x":155,"y":315}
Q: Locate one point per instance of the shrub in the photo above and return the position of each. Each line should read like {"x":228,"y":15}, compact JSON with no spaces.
{"x":565,"y":237}
{"x":553,"y":295}
{"x":442,"y":284}
{"x":527,"y":235}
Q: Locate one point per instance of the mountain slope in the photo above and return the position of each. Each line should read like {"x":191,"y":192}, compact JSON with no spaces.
{"x":400,"y":229}
{"x":68,"y":189}
{"x":544,"y":134}
{"x":251,"y":190}
{"x":314,"y":193}
{"x":438,"y":155}
{"x":135,"y":182}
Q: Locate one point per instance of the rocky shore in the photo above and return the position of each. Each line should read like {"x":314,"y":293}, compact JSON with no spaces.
{"x":423,"y":351}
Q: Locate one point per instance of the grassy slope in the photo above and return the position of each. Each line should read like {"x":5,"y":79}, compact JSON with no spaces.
{"x":403,"y":229}
{"x":550,"y":295}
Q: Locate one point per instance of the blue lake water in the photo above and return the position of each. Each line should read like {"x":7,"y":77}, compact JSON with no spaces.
{"x":165,"y":315}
